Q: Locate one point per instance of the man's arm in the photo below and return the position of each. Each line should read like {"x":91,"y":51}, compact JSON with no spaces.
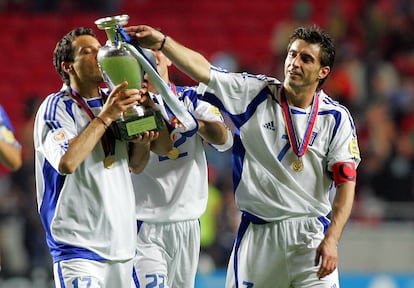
{"x":81,"y":146}
{"x":189,"y":61}
{"x":341,"y":210}
{"x":213,"y":132}
{"x":10,"y":156}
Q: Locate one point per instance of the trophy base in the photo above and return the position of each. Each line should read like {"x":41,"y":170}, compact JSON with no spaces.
{"x":131,"y":128}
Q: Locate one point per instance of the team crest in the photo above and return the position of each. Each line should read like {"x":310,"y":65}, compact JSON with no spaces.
{"x":353,"y":148}
{"x":215,"y":111}
{"x":59,"y":136}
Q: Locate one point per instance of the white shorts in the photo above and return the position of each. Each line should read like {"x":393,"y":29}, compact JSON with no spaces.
{"x":84,"y":273}
{"x":167,"y":254}
{"x":278,"y":255}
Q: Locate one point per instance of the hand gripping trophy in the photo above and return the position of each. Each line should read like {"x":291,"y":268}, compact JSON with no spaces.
{"x":119,"y":61}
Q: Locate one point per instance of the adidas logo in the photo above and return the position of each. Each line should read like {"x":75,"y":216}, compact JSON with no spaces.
{"x":269,"y":125}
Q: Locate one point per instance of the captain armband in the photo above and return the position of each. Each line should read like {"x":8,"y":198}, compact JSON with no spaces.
{"x":344,"y":172}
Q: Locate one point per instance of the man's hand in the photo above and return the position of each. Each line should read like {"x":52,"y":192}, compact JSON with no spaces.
{"x":146,"y":138}
{"x":146,"y":36}
{"x":119,"y":101}
{"x":328,"y":253}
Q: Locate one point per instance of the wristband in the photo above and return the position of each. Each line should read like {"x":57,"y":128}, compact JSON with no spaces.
{"x":103,"y":122}
{"x":163,"y":42}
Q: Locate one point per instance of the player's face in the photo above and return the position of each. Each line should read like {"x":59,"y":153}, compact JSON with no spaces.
{"x":302,"y":65}
{"x":85,"y":63}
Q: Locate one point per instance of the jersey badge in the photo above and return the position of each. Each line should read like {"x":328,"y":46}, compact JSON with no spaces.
{"x":353,"y":148}
{"x":215,"y":111}
{"x":59,"y":136}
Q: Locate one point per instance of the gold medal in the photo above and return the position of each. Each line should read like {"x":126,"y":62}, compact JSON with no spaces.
{"x":173,"y":154}
{"x":297,"y":165}
{"x":109,"y":162}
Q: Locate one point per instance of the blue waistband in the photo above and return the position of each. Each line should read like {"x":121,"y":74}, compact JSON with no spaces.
{"x":259,"y":221}
{"x":253,"y":219}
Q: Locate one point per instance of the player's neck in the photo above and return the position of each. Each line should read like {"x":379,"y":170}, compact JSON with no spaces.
{"x":86,"y":90}
{"x":299,"y":98}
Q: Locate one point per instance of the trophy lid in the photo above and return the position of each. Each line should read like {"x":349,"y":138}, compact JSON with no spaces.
{"x":112,"y":22}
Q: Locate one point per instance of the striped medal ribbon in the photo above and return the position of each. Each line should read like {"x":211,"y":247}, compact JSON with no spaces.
{"x":299,"y":148}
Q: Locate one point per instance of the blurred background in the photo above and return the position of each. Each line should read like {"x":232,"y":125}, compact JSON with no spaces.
{"x":373,"y":77}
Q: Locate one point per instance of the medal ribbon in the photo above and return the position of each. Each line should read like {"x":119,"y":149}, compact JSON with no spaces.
{"x":173,"y":88}
{"x":108,"y":143}
{"x":299,"y":150}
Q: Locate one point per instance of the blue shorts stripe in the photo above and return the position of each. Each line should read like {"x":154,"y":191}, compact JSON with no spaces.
{"x":135,"y":278}
{"x":245,"y":222}
{"x":61,"y":280}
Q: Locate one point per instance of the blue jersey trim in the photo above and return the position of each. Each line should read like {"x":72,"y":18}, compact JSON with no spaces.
{"x":325,"y":222}
{"x":50,"y":112}
{"x":237,"y":157}
{"x":61,"y":278}
{"x":238,"y":120}
{"x":139,"y":224}
{"x":337,"y":116}
{"x":254,"y":219}
{"x":67,"y":252}
{"x":244,"y":224}
{"x":53,"y":186}
{"x":5,"y":120}
{"x":135,"y":278}
{"x":94,"y":103}
{"x":68,"y":106}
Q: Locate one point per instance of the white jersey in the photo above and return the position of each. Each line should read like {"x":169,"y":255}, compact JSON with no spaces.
{"x":264,"y":183}
{"x":90,"y":213}
{"x":175,"y":190}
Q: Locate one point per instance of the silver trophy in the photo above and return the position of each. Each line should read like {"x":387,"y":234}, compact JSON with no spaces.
{"x":117,"y":64}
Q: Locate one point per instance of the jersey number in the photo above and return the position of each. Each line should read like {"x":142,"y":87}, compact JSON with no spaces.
{"x":155,"y":279}
{"x":82,"y":280}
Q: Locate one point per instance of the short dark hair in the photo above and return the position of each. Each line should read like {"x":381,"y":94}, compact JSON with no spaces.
{"x":64,"y":50}
{"x":315,"y":35}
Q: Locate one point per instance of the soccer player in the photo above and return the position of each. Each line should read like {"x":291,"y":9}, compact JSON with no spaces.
{"x":84,"y":189}
{"x":172,"y":191}
{"x":293,"y":144}
{"x":11,"y":160}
